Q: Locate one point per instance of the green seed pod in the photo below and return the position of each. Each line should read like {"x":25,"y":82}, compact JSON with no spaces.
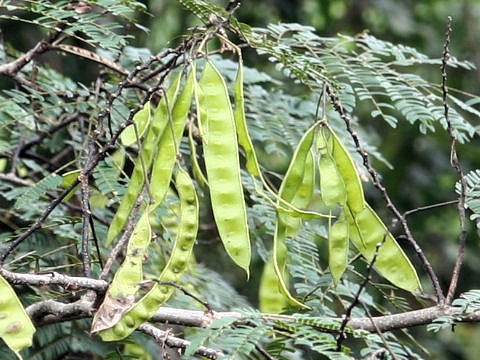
{"x":146,"y":307}
{"x":16,"y":328}
{"x":223,"y":167}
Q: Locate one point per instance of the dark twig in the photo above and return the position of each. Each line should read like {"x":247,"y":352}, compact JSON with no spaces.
{"x":356,"y":299}
{"x":12,"y":68}
{"x":454,"y":161}
{"x":15,"y":158}
{"x":39,"y":138}
{"x":378,"y":184}
{"x":38,"y":224}
{"x":265,"y":353}
{"x":182,"y":289}
{"x":428,"y":207}
{"x":377,"y":330}
{"x":95,"y":238}
{"x":161,"y":337}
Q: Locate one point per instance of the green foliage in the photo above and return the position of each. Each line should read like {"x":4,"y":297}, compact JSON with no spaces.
{"x":472,"y":192}
{"x":377,"y":83}
{"x":32,"y":194}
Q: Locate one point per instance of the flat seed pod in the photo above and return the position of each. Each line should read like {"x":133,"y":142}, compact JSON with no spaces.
{"x":16,"y":328}
{"x":391,"y":262}
{"x":121,"y":293}
{"x":178,"y":262}
{"x":141,"y":120}
{"x":349,"y":173}
{"x":271,"y":299}
{"x":289,"y":187}
{"x":241,"y":124}
{"x":168,"y":146}
{"x":223,"y":167}
{"x":338,"y":235}
{"x":148,"y":149}
{"x":303,"y":196}
{"x":332,"y":186}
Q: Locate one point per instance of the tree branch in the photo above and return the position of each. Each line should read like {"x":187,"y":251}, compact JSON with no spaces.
{"x":163,"y":337}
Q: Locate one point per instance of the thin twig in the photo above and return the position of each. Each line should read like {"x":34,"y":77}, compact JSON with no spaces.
{"x":428,"y":207}
{"x":39,"y":138}
{"x":38,"y":224}
{"x":378,"y":184}
{"x":95,"y":238}
{"x":161,"y":337}
{"x":181,"y":288}
{"x":265,"y":353}
{"x":12,"y":68}
{"x":356,"y":299}
{"x":454,"y":161}
{"x":377,"y":330}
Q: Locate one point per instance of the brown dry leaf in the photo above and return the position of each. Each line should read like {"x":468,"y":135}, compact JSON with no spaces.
{"x":110,"y":312}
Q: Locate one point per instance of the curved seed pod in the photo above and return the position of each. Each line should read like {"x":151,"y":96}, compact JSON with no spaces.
{"x":141,"y":120}
{"x":271,"y":299}
{"x":294,"y":175}
{"x":349,"y":173}
{"x":16,"y":328}
{"x":241,"y":123}
{"x":303,"y":196}
{"x":149,"y":146}
{"x":169,"y":143}
{"x":338,"y":235}
{"x":223,"y":167}
{"x":332,"y":186}
{"x":121,"y":293}
{"x":391,"y":262}
{"x":289,"y":187}
{"x":178,"y":262}
{"x":252,"y":163}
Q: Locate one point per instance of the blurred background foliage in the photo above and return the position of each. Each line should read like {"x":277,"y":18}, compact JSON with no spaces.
{"x":421,"y":174}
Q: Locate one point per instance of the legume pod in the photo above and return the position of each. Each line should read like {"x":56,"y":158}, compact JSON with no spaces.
{"x":332,"y":186}
{"x":348,"y":171}
{"x":223,"y":167}
{"x":121,"y":293}
{"x":16,"y":328}
{"x":241,"y":123}
{"x":303,"y":196}
{"x":148,"y":149}
{"x":271,"y":298}
{"x":146,"y":307}
{"x":289,"y":187}
{"x":391,"y":262}
{"x":141,"y":120}
{"x":338,"y":235}
{"x":169,"y":143}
